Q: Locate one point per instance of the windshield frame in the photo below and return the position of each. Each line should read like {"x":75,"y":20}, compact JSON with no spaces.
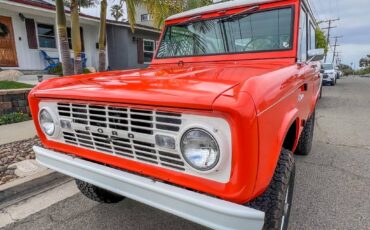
{"x":292,"y":33}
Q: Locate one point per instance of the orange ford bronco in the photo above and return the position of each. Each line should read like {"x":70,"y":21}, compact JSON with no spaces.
{"x":206,"y":132}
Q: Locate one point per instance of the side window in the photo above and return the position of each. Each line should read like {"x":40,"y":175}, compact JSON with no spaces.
{"x":149,"y":48}
{"x":302,"y":45}
{"x":312,"y":37}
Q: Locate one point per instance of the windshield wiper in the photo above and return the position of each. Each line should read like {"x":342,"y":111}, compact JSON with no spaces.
{"x":247,"y":11}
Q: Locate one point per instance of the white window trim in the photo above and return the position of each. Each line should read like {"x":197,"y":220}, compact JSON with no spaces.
{"x":145,"y":51}
{"x":300,"y":35}
{"x":38,"y":40}
{"x":55,"y":37}
{"x":149,"y":17}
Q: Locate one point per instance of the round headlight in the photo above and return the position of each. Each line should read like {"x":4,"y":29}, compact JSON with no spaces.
{"x":200,"y":149}
{"x":47,"y":122}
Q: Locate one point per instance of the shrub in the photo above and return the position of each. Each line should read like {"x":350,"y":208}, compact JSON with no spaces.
{"x":14,"y":118}
{"x":364,"y":71}
{"x":321,"y":40}
{"x":59,"y":70}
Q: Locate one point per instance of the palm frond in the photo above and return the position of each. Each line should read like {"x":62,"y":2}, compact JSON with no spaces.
{"x":192,"y":4}
{"x":187,"y":43}
{"x":82,"y":3}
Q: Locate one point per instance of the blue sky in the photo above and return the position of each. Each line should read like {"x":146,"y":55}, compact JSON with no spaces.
{"x":354,"y":25}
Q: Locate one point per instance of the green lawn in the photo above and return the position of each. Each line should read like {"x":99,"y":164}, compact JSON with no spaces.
{"x":13,"y":85}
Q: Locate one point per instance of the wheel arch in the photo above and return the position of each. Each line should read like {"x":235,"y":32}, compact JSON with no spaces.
{"x":289,"y":131}
{"x":287,"y":136}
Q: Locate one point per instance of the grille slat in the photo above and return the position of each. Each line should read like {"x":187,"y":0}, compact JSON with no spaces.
{"x":172,"y":161}
{"x":131,"y":120}
{"x":125,"y":118}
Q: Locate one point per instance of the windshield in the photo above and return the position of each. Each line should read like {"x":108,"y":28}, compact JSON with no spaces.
{"x":262,"y":31}
{"x":327,"y":66}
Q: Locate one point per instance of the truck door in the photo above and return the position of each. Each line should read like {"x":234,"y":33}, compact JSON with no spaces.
{"x":305,"y":94}
{"x":313,"y":72}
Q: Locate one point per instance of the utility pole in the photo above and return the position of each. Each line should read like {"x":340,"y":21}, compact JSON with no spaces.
{"x":335,"y":46}
{"x":338,"y":54}
{"x":338,"y":57}
{"x":330,"y":26}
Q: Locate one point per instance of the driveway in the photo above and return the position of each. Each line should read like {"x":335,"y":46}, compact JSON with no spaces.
{"x":332,"y":184}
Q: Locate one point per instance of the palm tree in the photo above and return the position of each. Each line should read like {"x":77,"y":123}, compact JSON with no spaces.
{"x":162,"y":9}
{"x":159,"y":9}
{"x":63,"y":38}
{"x":117,"y":11}
{"x":76,"y":32}
{"x":102,"y":35}
{"x":76,"y":36}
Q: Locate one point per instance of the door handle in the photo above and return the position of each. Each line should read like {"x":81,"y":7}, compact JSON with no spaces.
{"x":304,"y":87}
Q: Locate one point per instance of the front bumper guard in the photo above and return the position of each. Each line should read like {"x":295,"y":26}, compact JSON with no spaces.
{"x":202,"y":209}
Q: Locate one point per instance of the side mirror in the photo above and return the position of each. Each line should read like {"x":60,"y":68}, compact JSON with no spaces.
{"x":322,"y":71}
{"x":316,"y":54}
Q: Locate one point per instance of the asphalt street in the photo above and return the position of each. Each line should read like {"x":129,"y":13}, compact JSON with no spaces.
{"x":332,"y":188}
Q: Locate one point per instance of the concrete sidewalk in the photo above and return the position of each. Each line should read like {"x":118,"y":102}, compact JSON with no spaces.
{"x":17,"y":132}
{"x":33,"y":80}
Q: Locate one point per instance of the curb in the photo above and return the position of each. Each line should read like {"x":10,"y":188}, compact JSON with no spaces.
{"x":26,"y":187}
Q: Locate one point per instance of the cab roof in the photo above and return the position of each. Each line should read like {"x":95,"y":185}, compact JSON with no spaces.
{"x":219,"y":6}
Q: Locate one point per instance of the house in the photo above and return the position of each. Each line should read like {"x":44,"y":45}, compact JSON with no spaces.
{"x":130,"y":50}
{"x":28,"y":27}
{"x":142,"y":17}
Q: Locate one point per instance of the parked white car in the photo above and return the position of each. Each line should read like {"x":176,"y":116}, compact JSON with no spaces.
{"x":329,"y":73}
{"x":339,"y":73}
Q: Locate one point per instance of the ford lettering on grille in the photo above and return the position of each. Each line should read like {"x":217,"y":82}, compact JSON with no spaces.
{"x":122,"y":131}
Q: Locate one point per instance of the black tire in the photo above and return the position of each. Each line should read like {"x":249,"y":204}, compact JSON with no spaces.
{"x":305,"y":141}
{"x":98,"y":194}
{"x":332,"y":83}
{"x":276,"y":201}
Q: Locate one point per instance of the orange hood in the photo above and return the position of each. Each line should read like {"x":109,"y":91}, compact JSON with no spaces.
{"x":191,"y":86}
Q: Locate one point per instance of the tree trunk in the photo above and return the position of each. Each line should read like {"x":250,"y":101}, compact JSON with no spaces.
{"x":102,"y":35}
{"x":76,"y":37}
{"x":63,"y":39}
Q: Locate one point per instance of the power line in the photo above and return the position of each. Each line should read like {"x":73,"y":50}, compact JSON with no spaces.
{"x":330,"y":26}
{"x":338,"y":57}
{"x":335,"y":47}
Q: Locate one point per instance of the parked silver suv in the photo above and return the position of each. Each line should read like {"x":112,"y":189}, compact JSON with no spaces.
{"x":329,"y":73}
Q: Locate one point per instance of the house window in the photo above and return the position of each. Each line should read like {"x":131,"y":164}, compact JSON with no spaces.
{"x":146,"y":17}
{"x":149,"y":48}
{"x":69,"y":34}
{"x":46,"y":36}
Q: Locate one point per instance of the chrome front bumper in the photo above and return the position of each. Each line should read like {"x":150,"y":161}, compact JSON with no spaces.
{"x":205,"y":210}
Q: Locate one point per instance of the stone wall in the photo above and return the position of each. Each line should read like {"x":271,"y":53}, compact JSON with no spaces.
{"x":15,"y":100}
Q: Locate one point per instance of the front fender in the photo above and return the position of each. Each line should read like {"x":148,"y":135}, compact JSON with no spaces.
{"x":273,"y":128}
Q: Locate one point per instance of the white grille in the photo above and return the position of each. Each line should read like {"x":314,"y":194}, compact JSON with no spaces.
{"x":132,"y":120}
{"x":130,"y":132}
{"x":121,"y":118}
